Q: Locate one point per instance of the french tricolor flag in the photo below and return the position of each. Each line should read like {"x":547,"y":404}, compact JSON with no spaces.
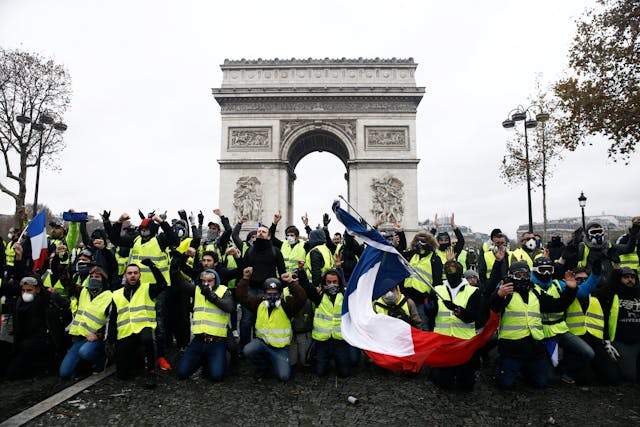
{"x":390,"y":342}
{"x":38,"y":235}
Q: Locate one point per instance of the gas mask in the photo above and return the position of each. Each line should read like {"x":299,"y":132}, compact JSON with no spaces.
{"x":421,"y":246}
{"x":272,"y":300}
{"x":596,"y":238}
{"x":291,"y":240}
{"x":530,"y":244}
{"x":10,"y":236}
{"x":390,"y":298}
{"x":28,"y":297}
{"x":180,"y":232}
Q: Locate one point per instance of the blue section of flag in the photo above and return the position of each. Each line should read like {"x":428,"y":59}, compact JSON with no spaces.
{"x":392,"y":270}
{"x":37,"y":224}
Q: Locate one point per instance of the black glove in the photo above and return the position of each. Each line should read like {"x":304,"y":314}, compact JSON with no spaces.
{"x":200,"y":218}
{"x":140,"y":214}
{"x":147,"y":262}
{"x":635,"y":228}
{"x":183,"y":215}
{"x":450,"y":305}
{"x":325,"y":219}
{"x":105,"y":215}
{"x":205,"y":290}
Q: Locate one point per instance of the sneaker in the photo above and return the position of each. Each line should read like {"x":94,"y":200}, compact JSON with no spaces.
{"x":163,"y":364}
{"x":567,"y":379}
{"x":152,"y":381}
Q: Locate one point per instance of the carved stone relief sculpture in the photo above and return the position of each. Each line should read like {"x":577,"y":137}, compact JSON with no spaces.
{"x":383,"y":138}
{"x":247,"y":198}
{"x":242,"y":139}
{"x":388,"y":199}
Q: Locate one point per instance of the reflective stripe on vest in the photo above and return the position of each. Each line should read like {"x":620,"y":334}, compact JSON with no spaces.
{"x":553,"y":323}
{"x":293,"y":254}
{"x":423,"y":265}
{"x":150,"y":249}
{"x":327,"y":319}
{"x":273,"y":328}
{"x":135,"y":315}
{"x":90,"y":315}
{"x":10,"y":255}
{"x":629,"y":260}
{"x":446,"y":322}
{"x":520,"y":320}
{"x":208,"y":318}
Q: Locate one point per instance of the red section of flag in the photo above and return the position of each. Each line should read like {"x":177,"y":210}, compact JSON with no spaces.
{"x":437,"y":350}
{"x":38,"y":264}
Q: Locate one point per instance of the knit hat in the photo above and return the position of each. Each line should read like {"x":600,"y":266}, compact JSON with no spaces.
{"x":471,"y":273}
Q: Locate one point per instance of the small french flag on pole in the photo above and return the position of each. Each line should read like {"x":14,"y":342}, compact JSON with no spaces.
{"x":38,"y":235}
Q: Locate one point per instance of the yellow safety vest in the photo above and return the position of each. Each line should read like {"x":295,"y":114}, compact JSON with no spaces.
{"x":208,"y":318}
{"x":327,"y":319}
{"x":490,"y":259}
{"x":423,"y":265}
{"x":381,"y":307}
{"x":273,"y":328}
{"x":293,"y":254}
{"x":90,"y":316}
{"x":122,"y":262}
{"x":591,"y":321}
{"x":137,"y":314}
{"x":520,"y":255}
{"x":520,"y":320}
{"x":326,"y":256}
{"x":553,"y":323}
{"x":630,"y":260}
{"x":46,"y":282}
{"x":613,"y":317}
{"x":150,"y":249}
{"x":10,"y":255}
{"x":446,"y":322}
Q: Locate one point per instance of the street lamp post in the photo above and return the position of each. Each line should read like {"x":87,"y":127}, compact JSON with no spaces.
{"x":582,"y":200}
{"x":39,"y":125}
{"x":520,"y":114}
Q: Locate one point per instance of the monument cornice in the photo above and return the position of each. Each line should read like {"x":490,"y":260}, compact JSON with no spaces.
{"x":355,"y":91}
{"x":309,"y":62}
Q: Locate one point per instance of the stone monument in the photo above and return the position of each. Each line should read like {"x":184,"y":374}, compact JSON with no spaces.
{"x":275,"y":112}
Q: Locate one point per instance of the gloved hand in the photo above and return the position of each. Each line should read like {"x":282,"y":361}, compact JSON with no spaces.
{"x":183,"y":215}
{"x":451,"y":306}
{"x":611,"y":351}
{"x":105,"y":215}
{"x":205,"y":290}
{"x":325,"y":219}
{"x":147,"y":262}
{"x":200,"y":218}
{"x":140,"y":214}
{"x":192,"y":219}
{"x":162,"y":216}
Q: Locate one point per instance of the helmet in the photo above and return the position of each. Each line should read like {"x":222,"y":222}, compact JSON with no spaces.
{"x":519,"y":267}
{"x":543,"y":268}
{"x":272,"y":283}
{"x":443,"y":235}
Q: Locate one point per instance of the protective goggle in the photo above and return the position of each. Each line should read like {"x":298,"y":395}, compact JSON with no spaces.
{"x":29,"y":281}
{"x":519,"y":275}
{"x":595,"y":232}
{"x":544,"y":269}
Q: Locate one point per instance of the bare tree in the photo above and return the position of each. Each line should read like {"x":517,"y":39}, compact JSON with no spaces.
{"x":544,"y":150}
{"x":34,"y":94}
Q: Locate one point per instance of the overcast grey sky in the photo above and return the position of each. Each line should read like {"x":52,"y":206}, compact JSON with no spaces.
{"x":144,"y":129}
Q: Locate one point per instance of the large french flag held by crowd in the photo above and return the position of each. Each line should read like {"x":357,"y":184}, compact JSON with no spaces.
{"x":390,"y":342}
{"x":38,"y":235}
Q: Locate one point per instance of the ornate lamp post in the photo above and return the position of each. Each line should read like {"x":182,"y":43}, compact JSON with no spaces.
{"x":43,"y":122}
{"x":582,"y":200}
{"x":525,"y":114}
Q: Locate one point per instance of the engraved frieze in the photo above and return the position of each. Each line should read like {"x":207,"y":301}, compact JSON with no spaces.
{"x":385,"y":137}
{"x":388,"y":199}
{"x":249,"y":138}
{"x":247,"y":199}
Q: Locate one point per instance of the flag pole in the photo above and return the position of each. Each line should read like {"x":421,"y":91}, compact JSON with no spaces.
{"x":404,"y":261}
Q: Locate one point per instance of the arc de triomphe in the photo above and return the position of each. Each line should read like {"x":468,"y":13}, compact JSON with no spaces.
{"x":275,"y":112}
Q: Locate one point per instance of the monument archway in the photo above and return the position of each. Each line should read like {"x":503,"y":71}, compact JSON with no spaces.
{"x":275,"y":112}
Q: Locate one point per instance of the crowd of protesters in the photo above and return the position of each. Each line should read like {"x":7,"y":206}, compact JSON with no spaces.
{"x":129,"y":292}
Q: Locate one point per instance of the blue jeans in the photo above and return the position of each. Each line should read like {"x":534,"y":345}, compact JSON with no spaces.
{"x":263,"y":356}
{"x":536,"y":370}
{"x":577,"y":354}
{"x":198,"y":351}
{"x":338,"y":349}
{"x":248,"y":320}
{"x":91,"y":351}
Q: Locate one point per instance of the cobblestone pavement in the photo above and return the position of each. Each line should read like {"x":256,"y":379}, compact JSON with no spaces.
{"x":385,"y":398}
